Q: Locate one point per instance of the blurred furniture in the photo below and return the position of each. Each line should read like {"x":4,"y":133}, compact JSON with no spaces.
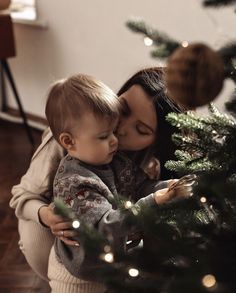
{"x":7,"y":50}
{"x":4,"y":4}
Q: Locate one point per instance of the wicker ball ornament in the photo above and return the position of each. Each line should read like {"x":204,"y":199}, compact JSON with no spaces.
{"x":194,"y":75}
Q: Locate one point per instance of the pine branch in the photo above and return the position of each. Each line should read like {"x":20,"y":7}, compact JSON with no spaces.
{"x":228,"y":54}
{"x":231,"y":105}
{"x":164,"y":44}
{"x":218,"y":3}
{"x":209,"y":146}
{"x":228,"y":51}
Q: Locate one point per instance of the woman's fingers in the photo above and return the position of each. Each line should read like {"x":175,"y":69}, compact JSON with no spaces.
{"x":61,"y":226}
{"x":66,"y":233}
{"x":69,"y":241}
{"x":61,"y":230}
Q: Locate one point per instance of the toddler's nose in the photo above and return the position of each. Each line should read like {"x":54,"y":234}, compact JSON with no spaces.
{"x":114,"y":140}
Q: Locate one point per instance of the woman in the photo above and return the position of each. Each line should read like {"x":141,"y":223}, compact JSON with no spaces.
{"x":143,"y":90}
{"x":142,"y":133}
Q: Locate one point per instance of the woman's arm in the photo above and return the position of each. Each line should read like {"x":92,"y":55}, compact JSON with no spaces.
{"x":35,"y":188}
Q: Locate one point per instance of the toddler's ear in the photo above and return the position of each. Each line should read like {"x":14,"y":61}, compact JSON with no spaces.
{"x":66,"y":140}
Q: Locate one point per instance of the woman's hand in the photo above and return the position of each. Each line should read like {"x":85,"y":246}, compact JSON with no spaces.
{"x":58,"y":226}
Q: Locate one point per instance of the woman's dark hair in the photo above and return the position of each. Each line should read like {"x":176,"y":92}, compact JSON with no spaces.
{"x":152,"y":81}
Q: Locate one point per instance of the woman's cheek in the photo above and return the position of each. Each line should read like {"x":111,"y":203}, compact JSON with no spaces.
{"x":147,"y":141}
{"x":140,"y":143}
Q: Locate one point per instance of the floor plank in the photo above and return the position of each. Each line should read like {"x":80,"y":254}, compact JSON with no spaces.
{"x":15,"y":153}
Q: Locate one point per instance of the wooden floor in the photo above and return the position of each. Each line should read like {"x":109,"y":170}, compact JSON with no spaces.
{"x":15,"y":153}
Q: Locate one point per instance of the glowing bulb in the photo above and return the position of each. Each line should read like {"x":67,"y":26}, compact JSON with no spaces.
{"x":107,"y":248}
{"x":203,"y":199}
{"x":133,"y":272}
{"x":75,"y":224}
{"x":109,"y":257}
{"x":208,"y":281}
{"x":147,"y":41}
{"x":184,"y":44}
{"x":128,"y":204}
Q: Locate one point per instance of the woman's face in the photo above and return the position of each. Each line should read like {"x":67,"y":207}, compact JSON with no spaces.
{"x":138,"y":122}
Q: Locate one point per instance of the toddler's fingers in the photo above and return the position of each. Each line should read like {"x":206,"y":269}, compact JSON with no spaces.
{"x":183,"y":191}
{"x":171,"y":183}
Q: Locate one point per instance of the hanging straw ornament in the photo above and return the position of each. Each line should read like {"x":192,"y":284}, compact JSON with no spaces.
{"x":194,"y":75}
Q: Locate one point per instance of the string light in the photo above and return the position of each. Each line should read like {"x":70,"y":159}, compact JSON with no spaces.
{"x":209,"y":281}
{"x":107,"y":248}
{"x":128,"y":204}
{"x":75,"y":224}
{"x":133,"y":272}
{"x":147,"y":41}
{"x":184,"y":44}
{"x":203,"y":199}
{"x":109,"y":257}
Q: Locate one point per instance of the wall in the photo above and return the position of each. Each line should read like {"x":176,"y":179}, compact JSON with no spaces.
{"x":90,"y":36}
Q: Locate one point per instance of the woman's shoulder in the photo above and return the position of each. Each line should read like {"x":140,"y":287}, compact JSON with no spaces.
{"x":49,"y":146}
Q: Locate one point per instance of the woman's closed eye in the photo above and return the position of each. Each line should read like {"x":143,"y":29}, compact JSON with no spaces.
{"x":143,"y":130}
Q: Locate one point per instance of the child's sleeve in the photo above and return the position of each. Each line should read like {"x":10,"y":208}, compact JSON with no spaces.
{"x":93,"y":208}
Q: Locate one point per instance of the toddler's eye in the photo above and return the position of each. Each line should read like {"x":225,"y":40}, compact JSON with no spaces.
{"x":103,"y":137}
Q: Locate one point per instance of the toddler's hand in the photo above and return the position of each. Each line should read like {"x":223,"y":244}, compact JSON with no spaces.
{"x":177,"y":188}
{"x":183,"y":186}
{"x":171,"y":182}
{"x":164,"y":195}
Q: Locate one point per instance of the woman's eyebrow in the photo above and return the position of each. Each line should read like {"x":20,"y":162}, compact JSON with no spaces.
{"x":125,"y":106}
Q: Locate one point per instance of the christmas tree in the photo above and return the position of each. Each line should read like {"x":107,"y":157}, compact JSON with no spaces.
{"x":187,"y":245}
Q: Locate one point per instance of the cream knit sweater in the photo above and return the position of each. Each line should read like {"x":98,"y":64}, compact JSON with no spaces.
{"x":35,"y":188}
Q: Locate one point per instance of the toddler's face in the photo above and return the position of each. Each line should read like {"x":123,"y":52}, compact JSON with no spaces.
{"x":94,"y":139}
{"x":138,"y":122}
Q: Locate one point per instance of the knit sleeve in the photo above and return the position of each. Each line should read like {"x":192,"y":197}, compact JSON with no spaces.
{"x":35,"y":187}
{"x":88,"y":204}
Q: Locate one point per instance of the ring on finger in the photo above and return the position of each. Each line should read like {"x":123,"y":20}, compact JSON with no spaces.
{"x":62,"y":233}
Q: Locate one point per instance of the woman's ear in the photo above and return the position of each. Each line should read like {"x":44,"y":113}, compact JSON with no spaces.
{"x":66,"y":140}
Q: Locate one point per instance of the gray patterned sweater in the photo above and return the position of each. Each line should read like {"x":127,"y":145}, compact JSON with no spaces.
{"x":89,"y":191}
